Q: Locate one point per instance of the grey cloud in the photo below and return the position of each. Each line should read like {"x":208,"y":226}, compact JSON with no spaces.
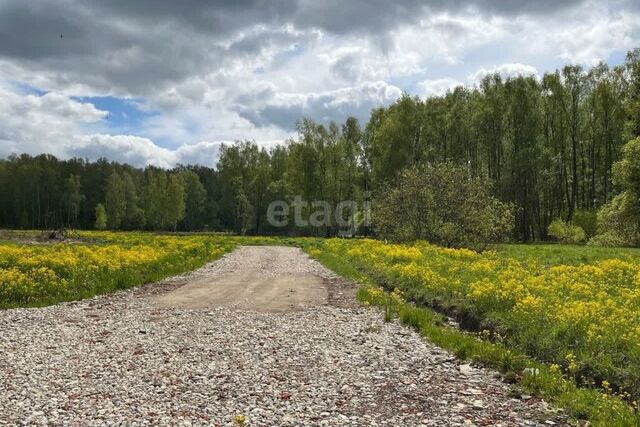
{"x":285,"y":110}
{"x":140,"y":47}
{"x":31,"y":29}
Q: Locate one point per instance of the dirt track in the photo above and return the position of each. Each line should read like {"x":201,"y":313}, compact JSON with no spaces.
{"x":269,"y":279}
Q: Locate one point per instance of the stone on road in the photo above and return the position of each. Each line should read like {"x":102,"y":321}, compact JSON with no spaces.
{"x":192,"y":350}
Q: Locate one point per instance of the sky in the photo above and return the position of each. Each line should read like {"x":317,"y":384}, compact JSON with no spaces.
{"x":164,"y":82}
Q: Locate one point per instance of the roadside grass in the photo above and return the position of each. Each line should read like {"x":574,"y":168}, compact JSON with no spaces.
{"x":600,"y":405}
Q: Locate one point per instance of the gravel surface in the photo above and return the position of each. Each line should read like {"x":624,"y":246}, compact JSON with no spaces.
{"x":265,"y":281}
{"x":123,"y":359}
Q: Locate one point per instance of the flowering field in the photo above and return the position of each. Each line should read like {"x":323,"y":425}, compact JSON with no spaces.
{"x":575,"y":308}
{"x":583,"y":317}
{"x":99,"y":262}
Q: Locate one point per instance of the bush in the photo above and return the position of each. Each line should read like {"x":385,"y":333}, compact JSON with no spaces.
{"x":566,"y":233}
{"x":587,"y":220}
{"x":608,"y":239}
{"x":619,"y":222}
{"x":101,"y":217}
{"x":443,"y":205}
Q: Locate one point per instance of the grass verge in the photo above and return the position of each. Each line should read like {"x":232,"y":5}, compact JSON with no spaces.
{"x":546,"y":381}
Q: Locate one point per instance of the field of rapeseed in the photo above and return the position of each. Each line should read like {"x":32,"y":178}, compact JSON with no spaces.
{"x":582,"y":318}
{"x":99,"y":262}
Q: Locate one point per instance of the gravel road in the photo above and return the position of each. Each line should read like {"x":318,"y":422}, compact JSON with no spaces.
{"x":268,"y":279}
{"x":132,"y":358}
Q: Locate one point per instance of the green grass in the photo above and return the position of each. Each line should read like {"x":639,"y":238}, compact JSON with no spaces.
{"x":556,"y":254}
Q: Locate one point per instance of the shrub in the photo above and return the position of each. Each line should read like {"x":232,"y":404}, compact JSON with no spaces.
{"x":607,"y":239}
{"x":443,"y":205}
{"x":620,"y":220}
{"x":101,"y":217}
{"x":566,"y":233}
{"x":587,"y":220}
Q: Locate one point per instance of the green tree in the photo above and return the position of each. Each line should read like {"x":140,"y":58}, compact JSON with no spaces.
{"x":73,"y":199}
{"x":115,"y":201}
{"x":398,"y":141}
{"x":195,"y":198}
{"x":443,"y":205}
{"x":632,"y":71}
{"x":134,"y":218}
{"x":153,"y":196}
{"x":174,"y":202}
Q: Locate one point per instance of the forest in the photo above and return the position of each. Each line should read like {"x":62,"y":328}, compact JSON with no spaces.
{"x":546,"y":145}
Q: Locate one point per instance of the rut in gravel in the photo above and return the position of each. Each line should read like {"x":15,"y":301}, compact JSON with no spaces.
{"x":233,"y":339}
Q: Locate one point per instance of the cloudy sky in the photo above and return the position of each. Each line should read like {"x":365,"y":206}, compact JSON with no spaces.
{"x":165,"y":82}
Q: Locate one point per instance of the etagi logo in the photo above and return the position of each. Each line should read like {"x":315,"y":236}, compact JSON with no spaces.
{"x":319,"y":213}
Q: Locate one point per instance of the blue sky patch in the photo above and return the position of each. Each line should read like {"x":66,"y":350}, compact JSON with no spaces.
{"x":27,"y":89}
{"x":125,"y":115}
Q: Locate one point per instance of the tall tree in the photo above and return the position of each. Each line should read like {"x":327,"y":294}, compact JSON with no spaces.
{"x":73,"y":199}
{"x":195,"y":199}
{"x":174,"y":202}
{"x":115,"y":201}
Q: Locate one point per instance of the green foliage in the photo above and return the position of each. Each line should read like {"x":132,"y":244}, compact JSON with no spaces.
{"x":73,"y":199}
{"x":195,"y":199}
{"x":546,"y":145}
{"x":134,"y":218}
{"x":632,"y":69}
{"x":627,"y":171}
{"x":587,"y":220}
{"x":163,"y":199}
{"x":115,"y":201}
{"x":101,"y":217}
{"x":608,"y":239}
{"x":566,"y":233}
{"x":443,"y":205}
{"x":619,"y":221}
{"x":175,"y":203}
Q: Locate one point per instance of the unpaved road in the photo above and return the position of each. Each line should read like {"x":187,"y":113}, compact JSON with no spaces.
{"x":268,"y":279}
{"x":264,"y":333}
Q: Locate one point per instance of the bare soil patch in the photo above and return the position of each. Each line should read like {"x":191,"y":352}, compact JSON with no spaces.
{"x":260,"y":278}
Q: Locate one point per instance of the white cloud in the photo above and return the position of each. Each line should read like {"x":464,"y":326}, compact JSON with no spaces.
{"x":505,"y":71}
{"x":444,"y":38}
{"x":584,"y":35}
{"x":54,"y":123}
{"x":140,"y":152}
{"x":438,"y":87}
{"x":31,"y":123}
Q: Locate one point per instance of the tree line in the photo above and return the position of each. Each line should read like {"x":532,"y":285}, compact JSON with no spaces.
{"x":545,"y":145}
